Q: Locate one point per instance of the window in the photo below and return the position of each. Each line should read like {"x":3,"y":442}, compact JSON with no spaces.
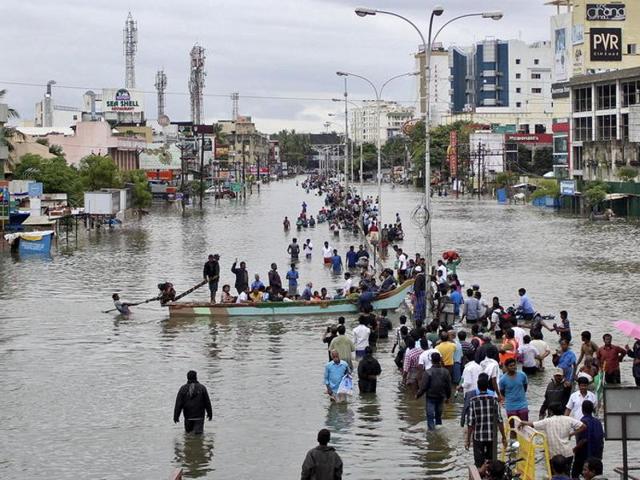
{"x":578,"y":163}
{"x":517,"y":61}
{"x":606,"y":96}
{"x":624,"y":126}
{"x":536,"y":90}
{"x":518,"y":104}
{"x":630,"y":93}
{"x":606,"y":127}
{"x":518,"y":90}
{"x":536,"y":76}
{"x":582,"y":128}
{"x":631,"y":49}
{"x":536,"y":61}
{"x":518,"y":75}
{"x":582,"y":99}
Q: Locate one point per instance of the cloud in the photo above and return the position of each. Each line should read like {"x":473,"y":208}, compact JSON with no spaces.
{"x":277,"y":48}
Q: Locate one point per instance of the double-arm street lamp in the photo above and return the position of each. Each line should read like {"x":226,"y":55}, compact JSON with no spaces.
{"x":426,"y":45}
{"x":378,"y":94}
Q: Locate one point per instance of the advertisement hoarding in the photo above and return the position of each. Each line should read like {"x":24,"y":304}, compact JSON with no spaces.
{"x":452,"y":153}
{"x":122,"y":100}
{"x":606,"y":12}
{"x":567,"y":187}
{"x":606,"y":44}
{"x":529,"y":138}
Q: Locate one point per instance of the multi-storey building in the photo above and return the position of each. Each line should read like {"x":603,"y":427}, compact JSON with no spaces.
{"x":506,"y":82}
{"x":364,"y":121}
{"x":439,"y":101}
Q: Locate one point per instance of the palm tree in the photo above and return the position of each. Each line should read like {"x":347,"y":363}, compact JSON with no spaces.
{"x":7,"y":133}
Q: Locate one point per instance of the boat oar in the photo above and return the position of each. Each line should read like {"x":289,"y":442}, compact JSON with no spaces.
{"x":133,"y":304}
{"x":192,"y":289}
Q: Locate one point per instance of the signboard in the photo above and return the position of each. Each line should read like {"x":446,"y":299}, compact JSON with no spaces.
{"x":577,"y":34}
{"x":578,"y":61}
{"x":622,"y":413}
{"x":561,"y":54}
{"x":508,"y":128}
{"x":529,"y":138}
{"x":35,"y":189}
{"x":4,"y":202}
{"x":122,"y":100}
{"x":606,"y":12}
{"x":452,"y":153}
{"x":606,"y":44}
{"x":560,"y":90}
{"x":567,"y":187}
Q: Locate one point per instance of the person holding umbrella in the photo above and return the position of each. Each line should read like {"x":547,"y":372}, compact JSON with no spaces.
{"x":635,"y":354}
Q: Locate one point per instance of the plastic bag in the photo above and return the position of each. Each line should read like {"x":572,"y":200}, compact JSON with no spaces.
{"x":346,"y":385}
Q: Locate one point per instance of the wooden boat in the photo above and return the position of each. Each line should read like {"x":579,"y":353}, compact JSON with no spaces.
{"x":386,"y":301}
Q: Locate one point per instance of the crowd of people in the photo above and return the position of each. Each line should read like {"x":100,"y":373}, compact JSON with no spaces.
{"x":487,"y":355}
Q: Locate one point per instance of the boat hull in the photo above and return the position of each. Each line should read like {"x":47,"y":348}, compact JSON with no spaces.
{"x":389,"y":301}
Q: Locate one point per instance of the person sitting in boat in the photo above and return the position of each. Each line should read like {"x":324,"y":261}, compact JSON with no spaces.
{"x":226,"y":295}
{"x":388,"y":280}
{"x":256,"y":295}
{"x":316,"y":297}
{"x":285,"y":297}
{"x":122,"y":307}
{"x":307,"y":293}
{"x":167,"y":293}
{"x":353,"y":294}
{"x":243,"y":296}
{"x":323,"y":294}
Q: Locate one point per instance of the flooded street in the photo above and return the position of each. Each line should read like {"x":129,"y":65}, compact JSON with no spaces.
{"x":91,"y":394}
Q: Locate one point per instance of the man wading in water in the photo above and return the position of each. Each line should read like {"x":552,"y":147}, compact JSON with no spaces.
{"x":192,"y":401}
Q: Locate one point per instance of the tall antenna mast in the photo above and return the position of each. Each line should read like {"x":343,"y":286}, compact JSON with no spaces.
{"x":130,"y":47}
{"x":161,"y":85}
{"x":196,"y":83}
{"x":235,"y":96}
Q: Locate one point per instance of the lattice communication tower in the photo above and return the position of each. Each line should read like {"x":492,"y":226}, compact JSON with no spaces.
{"x":161,"y":85}
{"x":130,"y":47}
{"x":196,"y":83}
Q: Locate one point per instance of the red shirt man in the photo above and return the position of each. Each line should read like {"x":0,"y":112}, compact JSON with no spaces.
{"x":609,"y":356}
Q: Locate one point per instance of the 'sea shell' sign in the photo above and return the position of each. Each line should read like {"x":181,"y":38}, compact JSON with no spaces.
{"x":606,"y":44}
{"x":122,"y":100}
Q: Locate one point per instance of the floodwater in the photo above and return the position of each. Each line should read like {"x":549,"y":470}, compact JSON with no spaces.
{"x":83,"y":393}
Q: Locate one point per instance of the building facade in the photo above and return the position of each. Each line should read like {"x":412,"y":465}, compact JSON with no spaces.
{"x":498,"y":81}
{"x":364,"y":121}
{"x":439,"y":100}
{"x":246,"y":143}
{"x":605,"y":124}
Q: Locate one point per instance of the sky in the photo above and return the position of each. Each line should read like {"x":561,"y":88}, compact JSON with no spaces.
{"x":259,"y":48}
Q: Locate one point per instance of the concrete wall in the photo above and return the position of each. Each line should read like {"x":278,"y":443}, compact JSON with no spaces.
{"x":603,"y":159}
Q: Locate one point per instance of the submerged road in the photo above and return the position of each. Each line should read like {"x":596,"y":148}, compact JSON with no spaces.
{"x":88,"y":394}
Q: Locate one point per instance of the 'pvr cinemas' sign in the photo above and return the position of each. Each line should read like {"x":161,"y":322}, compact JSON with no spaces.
{"x":606,"y":44}
{"x":606,"y":11}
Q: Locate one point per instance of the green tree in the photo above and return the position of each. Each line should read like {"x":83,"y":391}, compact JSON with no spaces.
{"x":56,"y":150}
{"x":141,"y":192}
{"x":627,"y":174}
{"x":595,"y":193}
{"x":54,"y":173}
{"x":393,"y":151}
{"x":504,"y":179}
{"x":439,"y":143}
{"x":294,"y":147}
{"x":369,"y":158}
{"x":99,"y":172}
{"x":547,"y":188}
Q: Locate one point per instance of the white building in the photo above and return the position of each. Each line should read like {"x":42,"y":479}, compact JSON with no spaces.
{"x":363,"y":121}
{"x":439,"y":86}
{"x":50,"y":115}
{"x":486,"y":153}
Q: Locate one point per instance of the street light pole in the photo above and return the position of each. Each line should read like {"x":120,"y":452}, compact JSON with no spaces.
{"x":346,"y":143}
{"x":437,"y":11}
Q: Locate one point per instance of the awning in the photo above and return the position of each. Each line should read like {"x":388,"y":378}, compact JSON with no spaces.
{"x":37,"y":220}
{"x":618,"y":196}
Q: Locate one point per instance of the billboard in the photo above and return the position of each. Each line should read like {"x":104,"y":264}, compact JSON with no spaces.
{"x":606,"y":44}
{"x":529,"y":138}
{"x":560,"y":31}
{"x":122,"y":100}
{"x":606,"y":12}
{"x":452,"y":153}
{"x":577,"y":34}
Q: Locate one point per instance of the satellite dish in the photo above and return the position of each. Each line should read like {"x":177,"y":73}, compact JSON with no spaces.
{"x":163,"y":120}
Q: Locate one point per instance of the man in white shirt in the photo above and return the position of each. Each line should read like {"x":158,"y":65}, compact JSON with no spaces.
{"x":518,"y":334}
{"x":307,"y":248}
{"x":327,"y":253}
{"x":243,"y":297}
{"x":424,"y":361}
{"x":559,"y":430}
{"x":361,"y":337}
{"x":492,"y":369}
{"x":574,"y":405}
{"x":528,"y":355}
{"x":542,"y":347}
{"x":470,"y":374}
{"x":442,"y":268}
{"x":348,"y":282}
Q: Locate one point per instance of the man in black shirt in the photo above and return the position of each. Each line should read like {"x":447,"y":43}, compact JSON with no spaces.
{"x":192,"y":401}
{"x":211,"y":273}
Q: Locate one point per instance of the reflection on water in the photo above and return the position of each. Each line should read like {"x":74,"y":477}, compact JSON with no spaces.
{"x":264,"y":375}
{"x":194,"y":454}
